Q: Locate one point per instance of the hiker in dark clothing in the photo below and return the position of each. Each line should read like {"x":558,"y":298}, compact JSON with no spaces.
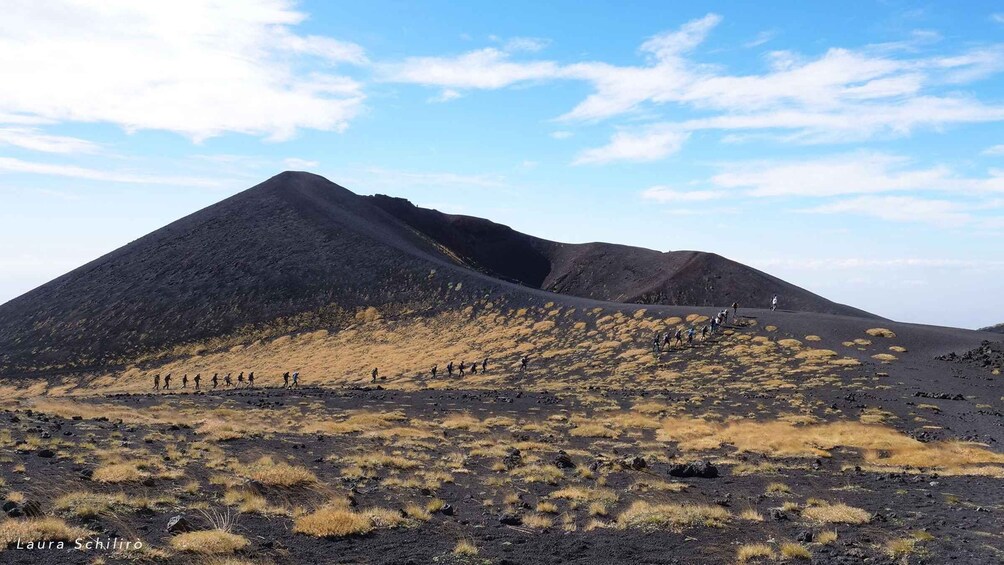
{"x":240,"y":379}
{"x":735,"y":310}
{"x":227,"y":382}
{"x":461,"y":367}
{"x":167,"y":381}
{"x":198,"y":379}
{"x":216,"y":380}
{"x":156,"y":382}
{"x":374,"y":375}
{"x":285,"y":380}
{"x":656,"y":342}
{"x":251,"y":379}
{"x":690,"y":336}
{"x":474,"y":368}
{"x":679,"y":337}
{"x":704,"y":332}
{"x":523,"y":362}
{"x":296,"y":379}
{"x":434,"y":369}
{"x":449,"y":369}
{"x":484,"y":366}
{"x":666,"y":341}
{"x":184,"y":381}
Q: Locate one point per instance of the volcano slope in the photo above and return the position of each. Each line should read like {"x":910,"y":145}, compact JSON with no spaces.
{"x":785,"y":436}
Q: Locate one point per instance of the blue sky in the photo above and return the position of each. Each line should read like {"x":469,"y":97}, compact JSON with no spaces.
{"x":855,"y":149}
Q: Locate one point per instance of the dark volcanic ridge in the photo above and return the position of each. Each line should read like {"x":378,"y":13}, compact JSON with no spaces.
{"x":299,"y":252}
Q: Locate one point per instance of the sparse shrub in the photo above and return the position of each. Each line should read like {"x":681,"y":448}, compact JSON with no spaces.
{"x":269,"y":472}
{"x":791,"y":550}
{"x":836,"y":513}
{"x":750,"y":551}
{"x":209,"y":542}
{"x":642,"y":514}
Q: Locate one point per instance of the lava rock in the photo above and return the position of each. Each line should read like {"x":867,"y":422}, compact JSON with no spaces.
{"x":702,"y":469}
{"x":46,"y":453}
{"x":178,"y":524}
{"x":510,"y":519}
{"x":563,"y":461}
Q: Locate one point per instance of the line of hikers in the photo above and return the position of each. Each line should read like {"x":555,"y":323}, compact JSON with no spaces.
{"x":681,"y":334}
{"x":461,"y":369}
{"x":227,"y":381}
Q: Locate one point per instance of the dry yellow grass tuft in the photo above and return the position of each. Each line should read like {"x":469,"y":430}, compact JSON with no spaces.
{"x":826,"y":537}
{"x":751,"y":551}
{"x":466,"y":548}
{"x":881,"y":332}
{"x":118,"y":473}
{"x":642,"y":514}
{"x":209,"y":542}
{"x":333,"y":520}
{"x":884,"y":357}
{"x":39,"y":529}
{"x":266,"y":471}
{"x":836,"y":513}
{"x":791,"y":550}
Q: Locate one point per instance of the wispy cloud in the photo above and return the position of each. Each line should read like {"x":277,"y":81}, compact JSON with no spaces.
{"x":649,"y":145}
{"x":380,"y":178}
{"x":666,"y":194}
{"x":943,"y":213}
{"x":146,"y":65}
{"x":10,"y":165}
{"x":839,"y":96}
{"x":37,"y":140}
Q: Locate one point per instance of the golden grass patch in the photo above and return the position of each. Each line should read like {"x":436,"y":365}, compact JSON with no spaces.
{"x":209,"y":542}
{"x":836,"y":513}
{"x":880,"y":332}
{"x":466,"y":548}
{"x":750,"y":551}
{"x":267,"y":471}
{"x":792,"y":550}
{"x":884,"y":357}
{"x":39,"y":529}
{"x":642,"y":514}
{"x":335,"y":519}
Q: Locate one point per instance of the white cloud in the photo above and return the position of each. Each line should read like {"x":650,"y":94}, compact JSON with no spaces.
{"x":297,"y":164}
{"x":661,"y":193}
{"x":446,"y":95}
{"x":10,"y":165}
{"x":994,"y":150}
{"x":561,"y":134}
{"x":484,"y":69}
{"x":380,"y":178}
{"x":998,"y":17}
{"x":196,"y":68}
{"x":526,"y":44}
{"x":36,"y":140}
{"x":857,"y":263}
{"x":760,"y":39}
{"x":648,"y":145}
{"x":853,"y":173}
{"x":841,"y":95}
{"x":942,"y":213}
{"x":830,"y":176}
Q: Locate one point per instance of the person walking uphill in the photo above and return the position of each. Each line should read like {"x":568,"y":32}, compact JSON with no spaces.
{"x":156,"y":382}
{"x":216,"y":380}
{"x":373,"y":375}
{"x":285,"y":380}
{"x":184,"y":381}
{"x":167,"y":381}
{"x":251,"y":379}
{"x":773,"y":303}
{"x":735,"y":310}
{"x":198,"y":379}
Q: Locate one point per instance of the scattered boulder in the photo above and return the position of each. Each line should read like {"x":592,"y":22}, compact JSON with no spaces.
{"x":637,"y":463}
{"x":46,"y":453}
{"x":510,"y":519}
{"x":512,"y":459}
{"x":702,"y":469}
{"x":563,"y":461}
{"x":178,"y":524}
{"x":805,"y":536}
{"x":778,"y":515}
{"x":447,"y":510}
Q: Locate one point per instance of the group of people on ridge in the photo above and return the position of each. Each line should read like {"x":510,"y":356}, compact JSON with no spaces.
{"x":227,"y":381}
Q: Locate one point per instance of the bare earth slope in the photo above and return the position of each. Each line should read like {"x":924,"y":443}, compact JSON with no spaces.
{"x":298,"y":251}
{"x":605,"y":271}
